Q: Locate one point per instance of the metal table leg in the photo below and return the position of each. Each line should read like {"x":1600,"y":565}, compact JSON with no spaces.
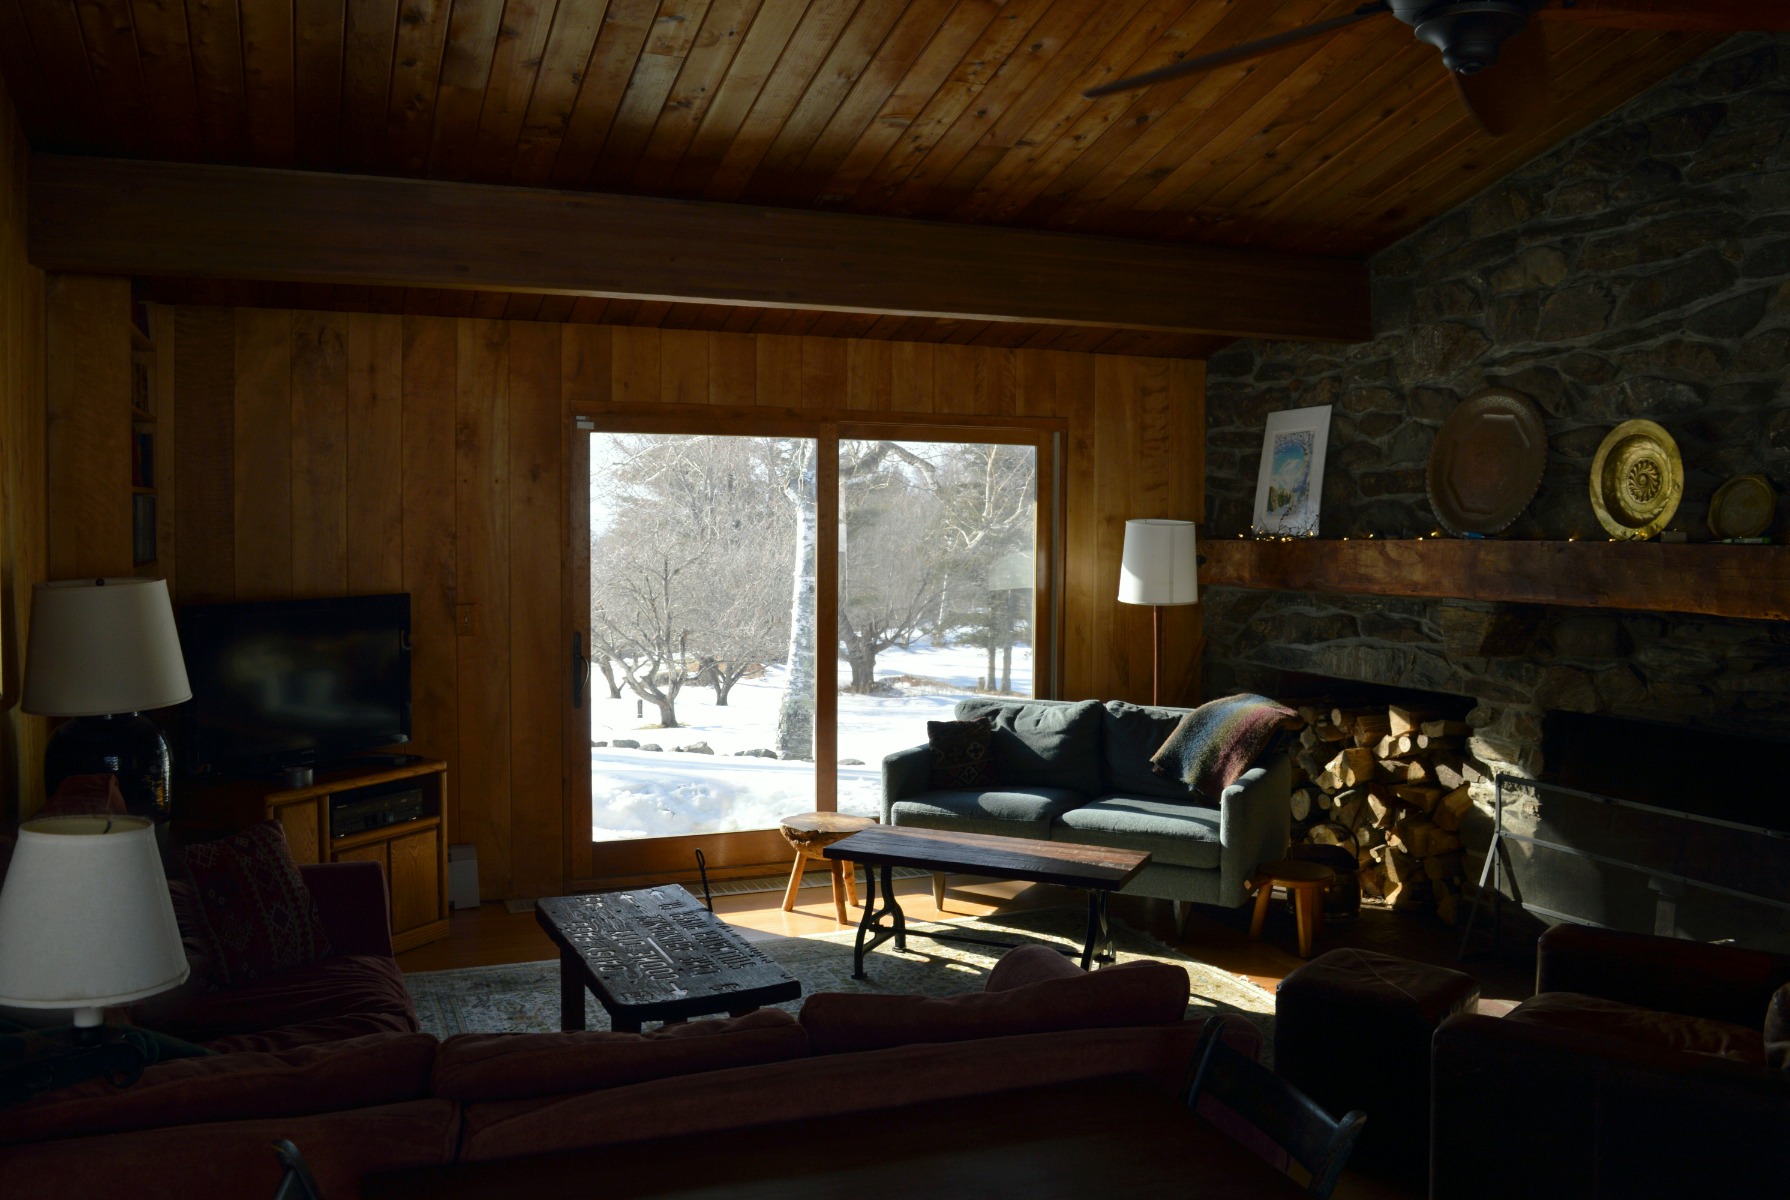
{"x":872,"y":930}
{"x":1099,"y":943}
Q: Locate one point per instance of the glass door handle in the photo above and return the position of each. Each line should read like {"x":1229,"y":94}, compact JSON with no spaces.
{"x":580,"y":669}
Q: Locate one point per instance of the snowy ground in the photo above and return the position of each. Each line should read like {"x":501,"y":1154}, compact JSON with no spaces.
{"x":643,"y":793}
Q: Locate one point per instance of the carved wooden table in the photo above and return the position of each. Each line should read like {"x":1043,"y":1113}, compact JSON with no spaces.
{"x":655,"y":954}
{"x":1097,"y":869}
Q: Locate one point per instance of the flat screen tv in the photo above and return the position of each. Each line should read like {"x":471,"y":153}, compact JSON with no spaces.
{"x":294,"y":683}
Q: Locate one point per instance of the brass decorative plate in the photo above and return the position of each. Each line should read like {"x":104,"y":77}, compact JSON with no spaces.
{"x":1487,"y":462}
{"x":1743,"y":507}
{"x":1637,"y":480}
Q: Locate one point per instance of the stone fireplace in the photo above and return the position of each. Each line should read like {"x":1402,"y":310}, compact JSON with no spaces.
{"x":1639,"y":269}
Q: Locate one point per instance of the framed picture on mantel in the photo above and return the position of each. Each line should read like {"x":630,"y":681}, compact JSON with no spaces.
{"x":1290,"y":484}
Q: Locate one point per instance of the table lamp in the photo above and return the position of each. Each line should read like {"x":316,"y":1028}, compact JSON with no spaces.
{"x":1158,"y":567}
{"x":85,"y":922}
{"x":101,"y":651}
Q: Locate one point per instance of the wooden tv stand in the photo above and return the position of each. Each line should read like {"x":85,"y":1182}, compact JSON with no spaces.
{"x":413,"y":853}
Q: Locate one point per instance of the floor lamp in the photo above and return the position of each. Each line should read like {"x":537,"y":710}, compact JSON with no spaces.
{"x":1158,"y":569}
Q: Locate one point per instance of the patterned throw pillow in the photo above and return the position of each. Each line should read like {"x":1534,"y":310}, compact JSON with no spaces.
{"x":962,"y":753}
{"x":261,"y":915}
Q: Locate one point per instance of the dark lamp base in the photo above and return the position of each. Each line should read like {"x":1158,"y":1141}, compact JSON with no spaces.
{"x":128,"y":745}
{"x":54,"y":1059}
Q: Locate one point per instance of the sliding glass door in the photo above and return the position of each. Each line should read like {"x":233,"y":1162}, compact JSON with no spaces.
{"x":761,"y":614}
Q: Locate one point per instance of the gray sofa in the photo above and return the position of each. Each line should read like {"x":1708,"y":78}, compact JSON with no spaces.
{"x":1079,"y":771}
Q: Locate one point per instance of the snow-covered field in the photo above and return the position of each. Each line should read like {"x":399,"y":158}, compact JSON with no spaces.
{"x":645,"y":793}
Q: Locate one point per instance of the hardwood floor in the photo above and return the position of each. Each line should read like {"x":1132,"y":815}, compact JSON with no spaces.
{"x":493,"y":934}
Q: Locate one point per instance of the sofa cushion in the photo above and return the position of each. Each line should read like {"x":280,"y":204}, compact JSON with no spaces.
{"x":512,"y":1066}
{"x":347,"y":985}
{"x":1042,"y":744}
{"x":1175,"y":832}
{"x":1218,"y":741}
{"x":962,"y":753}
{"x":1579,"y":1013}
{"x":1128,"y":994}
{"x":260,"y":916}
{"x":235,"y":1158}
{"x":1130,"y":735}
{"x":1014,"y":813}
{"x":382,"y":1069}
{"x":1027,"y":964}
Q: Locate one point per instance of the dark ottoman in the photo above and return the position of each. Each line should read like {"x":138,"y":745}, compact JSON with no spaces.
{"x":1352,"y":1030}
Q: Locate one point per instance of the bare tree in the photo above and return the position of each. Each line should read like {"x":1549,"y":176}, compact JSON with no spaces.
{"x":889,"y":577}
{"x":634,"y":622}
{"x":684,"y":578}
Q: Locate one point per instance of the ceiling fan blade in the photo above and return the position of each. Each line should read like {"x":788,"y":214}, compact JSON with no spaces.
{"x":1682,"y":16}
{"x":1513,"y":92}
{"x":1254,"y":49}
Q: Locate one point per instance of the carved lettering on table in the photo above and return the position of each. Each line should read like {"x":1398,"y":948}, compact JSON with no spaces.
{"x":643,"y":944}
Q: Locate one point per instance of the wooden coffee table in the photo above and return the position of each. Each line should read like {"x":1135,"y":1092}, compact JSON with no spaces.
{"x":1096,"y":869}
{"x":655,"y":954}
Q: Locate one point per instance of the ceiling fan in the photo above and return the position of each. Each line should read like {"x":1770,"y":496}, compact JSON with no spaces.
{"x":1495,"y":54}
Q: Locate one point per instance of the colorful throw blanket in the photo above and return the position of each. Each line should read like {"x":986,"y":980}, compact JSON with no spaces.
{"x":1218,"y":741}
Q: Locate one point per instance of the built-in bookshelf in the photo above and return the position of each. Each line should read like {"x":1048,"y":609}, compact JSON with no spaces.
{"x":144,"y":467}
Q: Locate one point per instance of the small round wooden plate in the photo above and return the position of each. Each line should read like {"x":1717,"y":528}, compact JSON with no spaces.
{"x":1637,"y":480}
{"x":1487,"y":462}
{"x":1743,"y":507}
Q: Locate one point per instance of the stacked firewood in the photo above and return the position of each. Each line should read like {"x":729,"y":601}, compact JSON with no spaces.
{"x":1391,"y":785}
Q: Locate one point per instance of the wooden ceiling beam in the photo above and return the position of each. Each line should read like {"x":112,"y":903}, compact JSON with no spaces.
{"x":123,"y":217}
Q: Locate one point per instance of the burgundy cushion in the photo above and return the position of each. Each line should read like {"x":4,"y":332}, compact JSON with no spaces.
{"x":1577,"y":1012}
{"x":509,"y":1066}
{"x":382,"y":1069}
{"x":962,"y":754}
{"x":235,"y":1158}
{"x":262,"y":918}
{"x":1135,"y":993}
{"x":347,"y":985}
{"x":1029,"y":964}
{"x":312,"y":1033}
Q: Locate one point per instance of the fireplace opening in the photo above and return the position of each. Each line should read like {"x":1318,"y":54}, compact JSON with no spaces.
{"x":1728,"y":776}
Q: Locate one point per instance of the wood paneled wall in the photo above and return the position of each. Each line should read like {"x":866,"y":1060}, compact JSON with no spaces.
{"x":22,"y":555}
{"x":321,"y":453}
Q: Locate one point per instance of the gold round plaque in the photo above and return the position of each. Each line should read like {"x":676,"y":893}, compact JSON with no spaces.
{"x":1743,"y":507}
{"x":1637,"y":480}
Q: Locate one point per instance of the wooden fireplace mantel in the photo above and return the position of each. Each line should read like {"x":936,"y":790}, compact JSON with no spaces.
{"x":1721,"y":581}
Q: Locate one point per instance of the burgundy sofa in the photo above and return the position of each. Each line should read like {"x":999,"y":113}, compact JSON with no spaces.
{"x":1639,"y":1069}
{"x":338,"y":1068}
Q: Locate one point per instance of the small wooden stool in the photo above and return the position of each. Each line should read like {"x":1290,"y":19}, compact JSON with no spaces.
{"x":1305,"y":883}
{"x":811,"y":833}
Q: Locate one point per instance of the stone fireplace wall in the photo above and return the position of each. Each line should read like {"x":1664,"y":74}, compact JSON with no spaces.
{"x":1639,"y":269}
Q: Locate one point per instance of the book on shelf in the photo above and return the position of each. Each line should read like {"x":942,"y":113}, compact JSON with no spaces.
{"x":143,"y":460}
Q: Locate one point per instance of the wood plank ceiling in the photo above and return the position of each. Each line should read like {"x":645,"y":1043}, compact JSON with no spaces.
{"x":954,"y":110}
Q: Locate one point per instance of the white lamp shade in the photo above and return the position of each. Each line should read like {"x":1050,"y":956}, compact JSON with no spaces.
{"x":1159,"y":563}
{"x":99,"y":647}
{"x":85,"y":919}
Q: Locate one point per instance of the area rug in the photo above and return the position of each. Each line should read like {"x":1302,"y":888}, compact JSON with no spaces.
{"x":524,"y":997}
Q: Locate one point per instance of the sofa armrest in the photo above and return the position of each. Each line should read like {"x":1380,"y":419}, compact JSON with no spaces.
{"x":1721,"y":983}
{"x":1254,"y":825}
{"x":905,"y":773}
{"x":1518,"y":1108}
{"x":351,"y":899}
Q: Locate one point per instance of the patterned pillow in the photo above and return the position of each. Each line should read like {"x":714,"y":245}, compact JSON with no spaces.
{"x":962,"y":753}
{"x":261,"y":917}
